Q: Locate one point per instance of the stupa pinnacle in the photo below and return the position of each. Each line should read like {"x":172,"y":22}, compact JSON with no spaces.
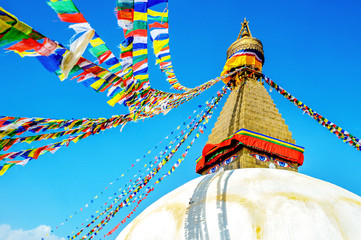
{"x":245,"y":31}
{"x":250,"y":132}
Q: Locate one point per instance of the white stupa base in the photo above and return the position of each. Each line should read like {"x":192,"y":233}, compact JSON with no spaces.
{"x":251,"y":204}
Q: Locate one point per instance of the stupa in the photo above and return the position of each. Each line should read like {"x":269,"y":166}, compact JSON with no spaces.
{"x":250,"y":188}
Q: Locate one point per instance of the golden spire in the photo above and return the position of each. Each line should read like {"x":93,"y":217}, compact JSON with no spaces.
{"x":249,"y":107}
{"x":245,"y":41}
{"x":245,"y":31}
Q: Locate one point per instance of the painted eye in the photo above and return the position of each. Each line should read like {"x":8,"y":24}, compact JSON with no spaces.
{"x":213,"y":170}
{"x":260,"y":157}
{"x":283,"y":164}
{"x":229,"y":160}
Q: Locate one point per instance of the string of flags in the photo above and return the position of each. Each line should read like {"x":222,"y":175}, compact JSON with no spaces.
{"x":58,"y":59}
{"x":342,"y":134}
{"x":10,"y":126}
{"x":137,"y":187}
{"x":6,"y":144}
{"x":75,"y":129}
{"x":213,"y":105}
{"x":68,"y":12}
{"x":64,"y":62}
{"x":184,"y":124}
{"x":134,"y":48}
{"x":159,"y":35}
{"x":127,"y":202}
{"x":146,"y":166}
{"x":169,"y":172}
{"x":144,"y":104}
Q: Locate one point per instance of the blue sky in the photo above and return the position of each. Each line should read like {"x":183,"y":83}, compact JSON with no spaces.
{"x":311,"y":49}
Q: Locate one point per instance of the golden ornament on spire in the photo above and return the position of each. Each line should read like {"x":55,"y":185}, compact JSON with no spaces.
{"x":245,"y":29}
{"x":246,"y":52}
{"x":245,"y":41}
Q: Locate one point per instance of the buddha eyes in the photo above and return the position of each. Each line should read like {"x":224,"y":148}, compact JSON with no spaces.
{"x":263,"y":158}
{"x":224,"y":163}
{"x":267,"y":159}
{"x":260,"y":157}
{"x":283,"y":164}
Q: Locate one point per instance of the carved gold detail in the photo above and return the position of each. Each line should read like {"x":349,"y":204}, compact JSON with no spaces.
{"x":245,"y":42}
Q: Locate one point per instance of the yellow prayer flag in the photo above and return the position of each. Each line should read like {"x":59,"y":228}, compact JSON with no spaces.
{"x":5,"y":168}
{"x":75,"y":140}
{"x":22,"y":27}
{"x":138,"y":16}
{"x":6,"y":18}
{"x":157,"y":14}
{"x":115,"y":66}
{"x":24,"y":54}
{"x":163,"y":59}
{"x":103,"y":74}
{"x":115,"y":99}
{"x":158,"y":45}
{"x":4,"y":26}
{"x":97,"y":84}
{"x":31,"y":154}
{"x":29,"y":140}
{"x":124,"y":49}
{"x":62,"y":77}
{"x":96,"y":42}
{"x":140,"y":52}
{"x":71,"y":125}
{"x":141,"y":77}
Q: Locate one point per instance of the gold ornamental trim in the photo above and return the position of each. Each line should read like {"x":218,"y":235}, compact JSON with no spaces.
{"x":245,"y":43}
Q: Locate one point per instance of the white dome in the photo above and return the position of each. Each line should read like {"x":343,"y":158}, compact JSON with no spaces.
{"x":251,"y":204}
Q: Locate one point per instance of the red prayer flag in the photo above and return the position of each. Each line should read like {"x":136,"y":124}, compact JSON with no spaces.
{"x":158,"y":25}
{"x":38,"y":151}
{"x":72,"y":17}
{"x":104,"y":56}
{"x":24,"y":45}
{"x":125,"y":14}
{"x":139,"y":64}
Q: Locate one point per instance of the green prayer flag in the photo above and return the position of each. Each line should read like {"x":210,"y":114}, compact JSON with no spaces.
{"x":63,"y":6}
{"x":12,"y":35}
{"x":98,"y":50}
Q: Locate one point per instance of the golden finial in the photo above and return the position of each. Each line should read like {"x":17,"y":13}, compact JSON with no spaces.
{"x":245,"y":41}
{"x":245,"y":32}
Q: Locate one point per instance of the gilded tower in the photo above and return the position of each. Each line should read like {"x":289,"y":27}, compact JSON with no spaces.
{"x":250,"y":132}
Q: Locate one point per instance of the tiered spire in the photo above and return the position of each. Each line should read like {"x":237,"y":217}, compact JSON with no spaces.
{"x":263,"y":139}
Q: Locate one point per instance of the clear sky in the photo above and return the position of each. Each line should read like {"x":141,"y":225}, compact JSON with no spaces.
{"x":311,"y":49}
